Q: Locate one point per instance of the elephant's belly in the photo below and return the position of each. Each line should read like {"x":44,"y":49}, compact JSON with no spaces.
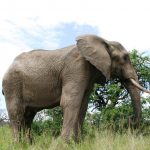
{"x":42,"y":96}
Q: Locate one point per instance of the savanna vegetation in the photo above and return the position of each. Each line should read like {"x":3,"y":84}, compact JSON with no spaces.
{"x":106,"y":125}
{"x":94,"y":140}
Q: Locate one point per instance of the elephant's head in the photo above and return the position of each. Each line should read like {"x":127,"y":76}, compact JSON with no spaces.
{"x":113,"y":61}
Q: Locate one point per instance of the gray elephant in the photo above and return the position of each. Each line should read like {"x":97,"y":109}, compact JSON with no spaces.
{"x":42,"y":79}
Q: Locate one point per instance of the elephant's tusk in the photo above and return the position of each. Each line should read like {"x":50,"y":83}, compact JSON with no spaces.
{"x":139,"y":86}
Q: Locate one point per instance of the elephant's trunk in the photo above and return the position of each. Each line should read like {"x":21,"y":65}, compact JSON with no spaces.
{"x":136,"y":102}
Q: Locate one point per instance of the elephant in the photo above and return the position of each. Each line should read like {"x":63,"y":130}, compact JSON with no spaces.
{"x":42,"y":79}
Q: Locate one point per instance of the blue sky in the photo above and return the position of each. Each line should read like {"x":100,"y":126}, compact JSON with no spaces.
{"x":49,"y":24}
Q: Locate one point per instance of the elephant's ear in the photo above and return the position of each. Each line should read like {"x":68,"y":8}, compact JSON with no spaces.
{"x":95,"y":50}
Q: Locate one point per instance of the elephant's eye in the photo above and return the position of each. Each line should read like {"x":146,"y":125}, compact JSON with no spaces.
{"x":125,"y":57}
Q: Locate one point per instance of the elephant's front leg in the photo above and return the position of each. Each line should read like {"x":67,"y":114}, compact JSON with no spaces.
{"x":72,"y":94}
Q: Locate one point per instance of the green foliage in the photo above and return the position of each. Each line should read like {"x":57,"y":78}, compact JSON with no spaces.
{"x":146,"y":108}
{"x":50,"y":121}
{"x":142,"y":65}
{"x":107,"y":95}
{"x":94,"y":140}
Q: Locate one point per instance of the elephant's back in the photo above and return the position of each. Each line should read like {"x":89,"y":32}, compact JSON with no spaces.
{"x":42,"y":58}
{"x":39,"y":62}
{"x":44,"y":53}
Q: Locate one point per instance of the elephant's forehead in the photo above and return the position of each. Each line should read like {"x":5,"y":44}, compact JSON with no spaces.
{"x":119,"y":53}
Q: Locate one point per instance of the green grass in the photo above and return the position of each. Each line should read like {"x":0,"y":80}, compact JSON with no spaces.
{"x":95,"y":140}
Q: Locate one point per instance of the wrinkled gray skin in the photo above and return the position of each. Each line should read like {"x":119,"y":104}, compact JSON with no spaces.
{"x":42,"y":79}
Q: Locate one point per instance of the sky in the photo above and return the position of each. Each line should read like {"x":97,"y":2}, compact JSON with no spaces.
{"x":52,"y":24}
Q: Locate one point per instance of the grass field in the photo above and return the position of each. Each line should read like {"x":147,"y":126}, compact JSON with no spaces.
{"x":95,"y":140}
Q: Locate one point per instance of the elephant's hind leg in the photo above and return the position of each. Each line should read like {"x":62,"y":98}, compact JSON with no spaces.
{"x":12,"y":87}
{"x":16,"y":116}
{"x":21,"y":120}
{"x":28,"y":119}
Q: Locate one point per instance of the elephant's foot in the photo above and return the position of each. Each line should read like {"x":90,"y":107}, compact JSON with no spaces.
{"x":69,"y":135}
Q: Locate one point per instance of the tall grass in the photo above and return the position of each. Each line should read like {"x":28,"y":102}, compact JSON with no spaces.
{"x":94,"y":140}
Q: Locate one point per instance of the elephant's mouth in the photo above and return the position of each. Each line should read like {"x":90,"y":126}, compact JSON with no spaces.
{"x":136,"y":84}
